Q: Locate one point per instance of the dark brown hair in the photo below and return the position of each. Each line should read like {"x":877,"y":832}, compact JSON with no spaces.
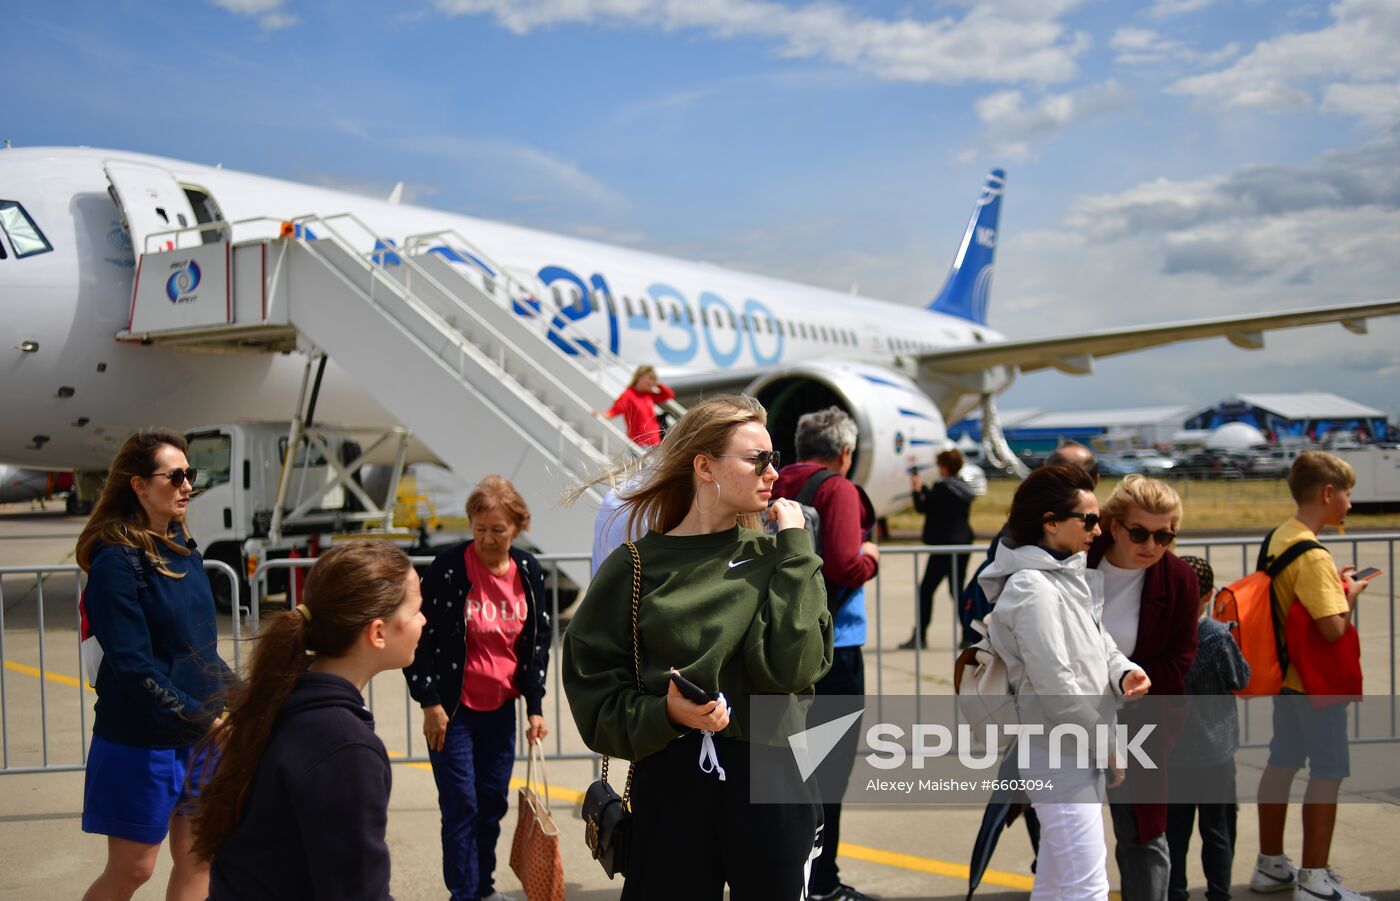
{"x":351,"y":586}
{"x":118,"y":517}
{"x":1050,"y":491}
{"x":951,"y":460}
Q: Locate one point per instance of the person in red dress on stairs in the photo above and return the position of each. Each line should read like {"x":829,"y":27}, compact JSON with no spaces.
{"x":637,"y":405}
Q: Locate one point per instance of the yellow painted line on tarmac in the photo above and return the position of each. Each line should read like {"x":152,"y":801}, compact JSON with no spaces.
{"x":50,"y":675}
{"x":929,"y":865}
{"x":572,"y":796}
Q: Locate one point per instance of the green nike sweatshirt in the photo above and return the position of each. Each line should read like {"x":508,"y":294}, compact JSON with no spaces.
{"x":737,"y":611}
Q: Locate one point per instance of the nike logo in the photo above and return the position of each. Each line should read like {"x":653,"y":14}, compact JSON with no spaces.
{"x":734,"y":563}
{"x":1335,"y":896}
{"x":1286,"y":880}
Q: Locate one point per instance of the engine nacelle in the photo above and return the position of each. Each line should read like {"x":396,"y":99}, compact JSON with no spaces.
{"x":899,"y":425}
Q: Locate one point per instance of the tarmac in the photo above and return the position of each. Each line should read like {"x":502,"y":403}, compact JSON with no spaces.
{"x":903,"y":852}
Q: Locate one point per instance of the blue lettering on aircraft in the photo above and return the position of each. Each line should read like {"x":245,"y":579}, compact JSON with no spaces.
{"x":579,"y":309}
{"x":678,"y":340}
{"x":711,"y":301}
{"x":677,"y":320}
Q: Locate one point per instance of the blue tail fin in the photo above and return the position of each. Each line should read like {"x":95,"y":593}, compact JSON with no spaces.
{"x":964,"y":294}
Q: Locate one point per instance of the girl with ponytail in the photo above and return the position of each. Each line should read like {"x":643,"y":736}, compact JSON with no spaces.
{"x":298,"y":804}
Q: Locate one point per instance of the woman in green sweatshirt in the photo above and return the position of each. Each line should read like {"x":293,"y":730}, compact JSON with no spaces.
{"x":737,"y":612}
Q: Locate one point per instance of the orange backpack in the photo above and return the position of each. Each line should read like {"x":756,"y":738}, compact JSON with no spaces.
{"x":1248,"y":609}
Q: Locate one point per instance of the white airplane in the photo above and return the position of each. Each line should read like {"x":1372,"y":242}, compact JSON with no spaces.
{"x":78,"y":224}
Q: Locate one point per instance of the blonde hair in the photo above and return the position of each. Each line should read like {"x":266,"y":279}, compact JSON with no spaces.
{"x":497,"y":493}
{"x":1315,"y":469}
{"x":641,"y":371}
{"x":667,"y":488}
{"x":1148,"y":495}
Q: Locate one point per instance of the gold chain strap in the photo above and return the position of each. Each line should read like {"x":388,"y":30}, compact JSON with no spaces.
{"x":636,"y":659}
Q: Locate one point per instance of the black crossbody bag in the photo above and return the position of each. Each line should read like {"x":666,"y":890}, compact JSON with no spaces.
{"x":607,"y":817}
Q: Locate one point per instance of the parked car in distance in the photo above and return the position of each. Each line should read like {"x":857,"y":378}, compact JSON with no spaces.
{"x":1148,"y":462}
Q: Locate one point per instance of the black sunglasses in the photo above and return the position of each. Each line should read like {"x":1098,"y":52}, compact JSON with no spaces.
{"x":761,"y":460}
{"x":1139,"y":535}
{"x":1090,"y":519}
{"x":177,"y":476}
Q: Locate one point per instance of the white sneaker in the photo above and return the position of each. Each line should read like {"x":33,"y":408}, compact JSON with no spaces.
{"x":1273,"y":873}
{"x":1324,"y":884}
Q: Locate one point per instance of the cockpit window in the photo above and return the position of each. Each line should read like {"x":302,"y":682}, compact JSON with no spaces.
{"x":24,"y":235}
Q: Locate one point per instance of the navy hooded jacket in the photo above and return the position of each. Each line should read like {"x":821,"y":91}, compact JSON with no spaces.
{"x":313,"y":825}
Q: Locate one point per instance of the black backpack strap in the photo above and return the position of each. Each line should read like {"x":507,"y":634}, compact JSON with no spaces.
{"x":1262,"y":562}
{"x":1274,"y":567}
{"x":1293,"y":552}
{"x":814,"y":481}
{"x":138,"y":563}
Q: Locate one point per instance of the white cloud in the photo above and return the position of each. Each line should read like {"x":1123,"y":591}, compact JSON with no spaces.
{"x":269,"y":13}
{"x":1163,"y":9}
{"x":535,"y":172}
{"x":1004,"y":41}
{"x":1143,"y":45}
{"x":1360,"y":45}
{"x":1012,"y":124}
{"x":1377,"y":104}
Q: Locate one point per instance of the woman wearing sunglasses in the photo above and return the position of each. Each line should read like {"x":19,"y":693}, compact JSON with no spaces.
{"x":149,"y":606}
{"x":1063,"y":667}
{"x":1150,"y":605}
{"x":736,"y":612}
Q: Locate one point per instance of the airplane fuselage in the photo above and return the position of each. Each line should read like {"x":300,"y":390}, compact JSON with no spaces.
{"x":72,"y":392}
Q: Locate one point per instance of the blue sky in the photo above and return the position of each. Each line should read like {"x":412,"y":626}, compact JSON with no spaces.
{"x":1169,"y":159}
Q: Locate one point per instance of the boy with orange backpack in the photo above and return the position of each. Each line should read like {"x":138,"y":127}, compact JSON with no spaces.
{"x":1314,"y":602}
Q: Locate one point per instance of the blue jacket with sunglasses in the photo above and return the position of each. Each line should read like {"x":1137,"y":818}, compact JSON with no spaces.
{"x":161,"y":681}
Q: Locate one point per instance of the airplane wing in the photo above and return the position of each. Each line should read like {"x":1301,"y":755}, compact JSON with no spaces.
{"x":1075,"y":354}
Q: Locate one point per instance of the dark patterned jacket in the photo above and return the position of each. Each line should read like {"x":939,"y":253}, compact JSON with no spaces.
{"x":435,"y":676}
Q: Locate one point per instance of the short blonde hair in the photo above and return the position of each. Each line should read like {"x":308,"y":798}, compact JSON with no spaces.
{"x":1315,"y":469}
{"x":497,"y":493}
{"x":1148,"y":495}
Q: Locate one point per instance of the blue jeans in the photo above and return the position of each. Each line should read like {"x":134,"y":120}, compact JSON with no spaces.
{"x":472,"y":772}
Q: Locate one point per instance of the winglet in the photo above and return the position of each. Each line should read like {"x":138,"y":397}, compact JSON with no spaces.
{"x":965,"y":292}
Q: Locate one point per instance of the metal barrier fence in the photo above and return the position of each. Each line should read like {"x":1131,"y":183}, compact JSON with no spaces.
{"x":1378,"y":549}
{"x":41,"y":574}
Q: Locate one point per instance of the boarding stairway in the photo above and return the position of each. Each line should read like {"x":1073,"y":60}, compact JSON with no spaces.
{"x":439,"y":345}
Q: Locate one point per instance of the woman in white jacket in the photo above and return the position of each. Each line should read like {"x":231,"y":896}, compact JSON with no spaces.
{"x":1063,"y":667}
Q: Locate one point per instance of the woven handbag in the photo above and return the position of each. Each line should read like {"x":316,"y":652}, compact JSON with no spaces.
{"x":534,"y":853}
{"x":607,"y":817}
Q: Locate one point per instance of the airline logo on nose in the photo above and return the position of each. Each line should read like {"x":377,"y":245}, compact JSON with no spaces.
{"x":811,"y":746}
{"x":182,"y":282}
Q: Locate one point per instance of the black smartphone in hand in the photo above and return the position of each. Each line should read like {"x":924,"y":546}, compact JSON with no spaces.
{"x":692,"y":692}
{"x":1361,"y":575}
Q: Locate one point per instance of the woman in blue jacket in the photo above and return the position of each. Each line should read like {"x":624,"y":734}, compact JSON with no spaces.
{"x":149,"y":606}
{"x":486,"y":644}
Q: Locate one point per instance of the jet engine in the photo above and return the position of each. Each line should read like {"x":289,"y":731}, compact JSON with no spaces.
{"x":899,"y":426}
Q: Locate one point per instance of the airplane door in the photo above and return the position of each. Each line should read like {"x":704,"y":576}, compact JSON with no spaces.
{"x":151,"y":202}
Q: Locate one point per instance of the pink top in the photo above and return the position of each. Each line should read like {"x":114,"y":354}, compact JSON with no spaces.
{"x":495,"y":616}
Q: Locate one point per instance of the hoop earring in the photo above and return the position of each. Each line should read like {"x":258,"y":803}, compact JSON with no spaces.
{"x":701,"y":507}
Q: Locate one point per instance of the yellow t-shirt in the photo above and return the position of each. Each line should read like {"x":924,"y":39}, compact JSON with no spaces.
{"x":1312,"y":580}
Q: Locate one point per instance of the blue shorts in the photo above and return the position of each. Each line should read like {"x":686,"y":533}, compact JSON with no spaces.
{"x":131,"y":792}
{"x":1303,"y":732}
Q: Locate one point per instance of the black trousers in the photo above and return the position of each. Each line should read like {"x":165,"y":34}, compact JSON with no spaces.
{"x":1217,"y":827}
{"x":693,"y":834}
{"x":846,"y":677}
{"x":953,"y":567}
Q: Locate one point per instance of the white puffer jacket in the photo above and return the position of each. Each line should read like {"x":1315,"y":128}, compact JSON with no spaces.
{"x":1045,"y":624}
